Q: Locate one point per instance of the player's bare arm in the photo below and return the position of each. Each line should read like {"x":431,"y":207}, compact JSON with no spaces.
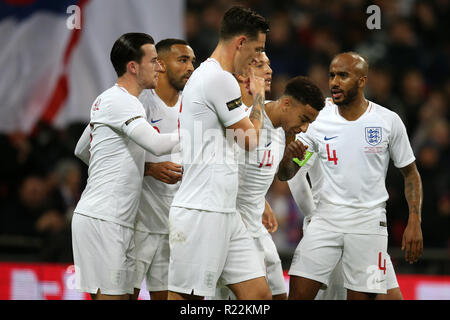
{"x":412,"y":242}
{"x":288,"y":168}
{"x":257,"y":89}
{"x":268,"y":219}
{"x":166,"y":171}
{"x":247,"y":130}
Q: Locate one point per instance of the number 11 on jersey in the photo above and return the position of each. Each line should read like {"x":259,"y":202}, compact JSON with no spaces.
{"x":334,"y":158}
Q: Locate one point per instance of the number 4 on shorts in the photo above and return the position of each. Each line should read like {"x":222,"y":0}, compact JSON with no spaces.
{"x":382,"y":268}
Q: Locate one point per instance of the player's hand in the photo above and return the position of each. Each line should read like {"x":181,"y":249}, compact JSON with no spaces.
{"x":167,"y":172}
{"x":295,"y":149}
{"x":254,"y":84}
{"x":412,"y":242}
{"x":268,"y":219}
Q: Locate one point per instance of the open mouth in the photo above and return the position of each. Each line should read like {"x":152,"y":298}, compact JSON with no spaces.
{"x":337,"y":94}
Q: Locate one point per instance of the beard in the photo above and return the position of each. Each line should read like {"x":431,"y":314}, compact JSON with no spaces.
{"x":349,"y":96}
{"x":177,"y":82}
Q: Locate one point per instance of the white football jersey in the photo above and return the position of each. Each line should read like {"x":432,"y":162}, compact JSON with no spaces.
{"x":354,"y":158}
{"x":211,"y":102}
{"x":256,"y":172}
{"x":157,"y":196}
{"x":116,"y":164}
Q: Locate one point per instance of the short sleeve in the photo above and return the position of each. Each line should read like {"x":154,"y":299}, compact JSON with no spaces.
{"x":222,"y":92}
{"x":399,"y":146}
{"x":123,"y":113}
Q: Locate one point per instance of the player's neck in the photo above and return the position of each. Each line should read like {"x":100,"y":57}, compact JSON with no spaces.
{"x":247,"y":98}
{"x":130,"y":85}
{"x":166,"y":92}
{"x":225,"y":54}
{"x":355,"y":109}
{"x":273,"y":113}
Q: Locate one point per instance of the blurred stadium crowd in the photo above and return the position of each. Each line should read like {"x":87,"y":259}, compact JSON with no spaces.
{"x":41,"y":181}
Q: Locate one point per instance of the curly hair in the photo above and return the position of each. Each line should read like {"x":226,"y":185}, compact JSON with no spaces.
{"x":305,"y":91}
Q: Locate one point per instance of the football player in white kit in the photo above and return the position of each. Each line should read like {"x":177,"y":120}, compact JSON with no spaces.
{"x":353,"y":139}
{"x":290,"y":114}
{"x":114,"y":145}
{"x":307,"y":197}
{"x":208,"y":240}
{"x":162,"y":173}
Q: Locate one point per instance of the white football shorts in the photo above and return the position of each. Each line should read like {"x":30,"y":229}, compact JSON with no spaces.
{"x":336,"y":290}
{"x":152,"y":260}
{"x":103,"y":256}
{"x":363,"y":258}
{"x":272,"y":262}
{"x":209,"y":249}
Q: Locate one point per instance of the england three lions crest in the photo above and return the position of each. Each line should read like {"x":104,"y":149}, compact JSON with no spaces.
{"x":373,"y":135}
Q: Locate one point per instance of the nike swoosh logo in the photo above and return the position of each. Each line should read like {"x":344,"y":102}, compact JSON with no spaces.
{"x":268,"y":144}
{"x":155,"y":121}
{"x":326,"y":139}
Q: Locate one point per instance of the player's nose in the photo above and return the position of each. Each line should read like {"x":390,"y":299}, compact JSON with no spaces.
{"x":190,"y":67}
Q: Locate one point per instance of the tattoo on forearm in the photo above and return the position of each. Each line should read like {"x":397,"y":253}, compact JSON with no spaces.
{"x":413,"y":193}
{"x":257,"y":112}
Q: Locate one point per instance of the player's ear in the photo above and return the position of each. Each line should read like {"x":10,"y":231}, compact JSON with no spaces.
{"x":362,"y":81}
{"x":240,"y":77}
{"x":240,"y":41}
{"x":132,"y":67}
{"x":286,"y":103}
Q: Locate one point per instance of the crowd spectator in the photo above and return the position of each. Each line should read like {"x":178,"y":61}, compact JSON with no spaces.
{"x":40,"y":182}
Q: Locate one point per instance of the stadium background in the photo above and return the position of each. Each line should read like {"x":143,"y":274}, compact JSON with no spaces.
{"x":52,"y":73}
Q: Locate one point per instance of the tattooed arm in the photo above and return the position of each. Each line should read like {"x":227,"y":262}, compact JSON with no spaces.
{"x":257,"y":114}
{"x":412,"y":241}
{"x":247,"y":131}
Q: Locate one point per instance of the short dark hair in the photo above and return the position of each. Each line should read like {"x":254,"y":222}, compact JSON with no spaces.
{"x":240,"y":20}
{"x":305,"y":91}
{"x":128,"y":48}
{"x":166,"y":44}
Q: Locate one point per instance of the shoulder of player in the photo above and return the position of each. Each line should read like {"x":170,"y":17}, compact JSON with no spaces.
{"x":117,"y":97}
{"x":150,"y":99}
{"x":328,"y":108}
{"x":384,"y":113}
{"x":120,"y":95}
{"x":147,"y":96}
{"x":325,"y":115}
{"x":212,"y":72}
